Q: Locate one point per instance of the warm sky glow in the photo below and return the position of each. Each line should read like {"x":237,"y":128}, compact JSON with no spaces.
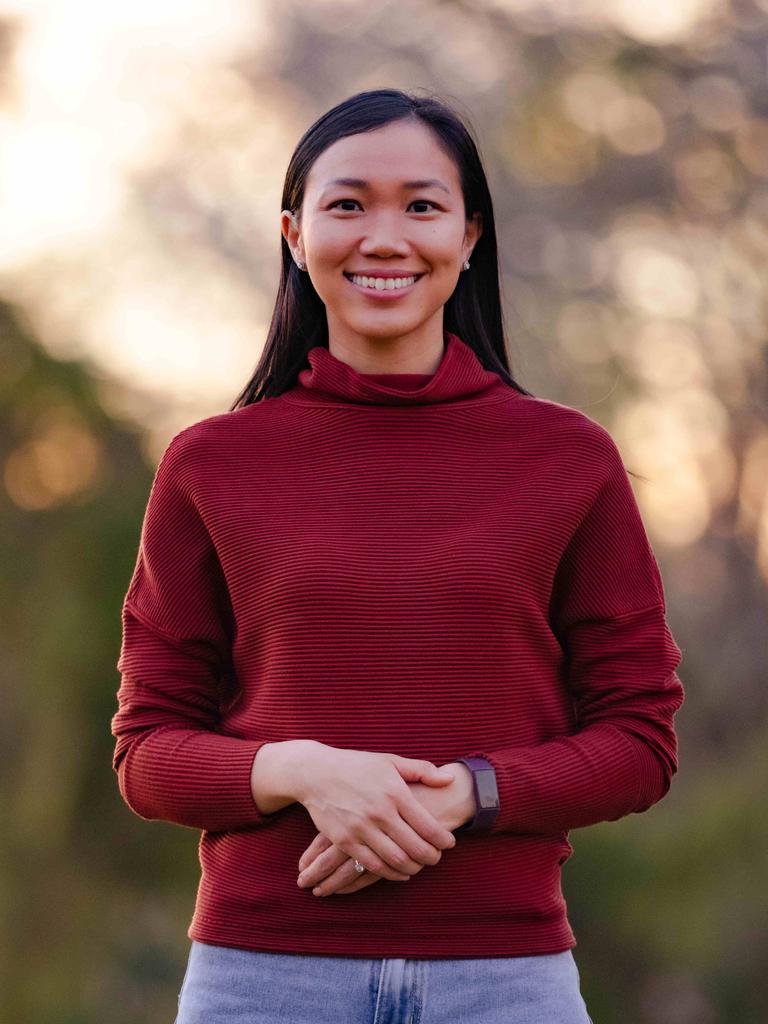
{"x":98,"y":94}
{"x":143,"y":149}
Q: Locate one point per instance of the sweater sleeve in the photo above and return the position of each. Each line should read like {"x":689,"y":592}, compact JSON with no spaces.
{"x":608,"y":612}
{"x":172,"y":761}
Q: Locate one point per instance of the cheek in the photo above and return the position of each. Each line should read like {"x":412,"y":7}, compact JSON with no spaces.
{"x":443,"y":241}
{"x":331,"y":288}
{"x":327,"y":247}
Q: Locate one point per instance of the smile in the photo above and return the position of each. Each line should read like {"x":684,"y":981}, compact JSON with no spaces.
{"x":384,"y":288}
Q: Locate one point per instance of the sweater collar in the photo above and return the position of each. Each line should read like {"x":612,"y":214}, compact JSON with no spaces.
{"x":459,"y":376}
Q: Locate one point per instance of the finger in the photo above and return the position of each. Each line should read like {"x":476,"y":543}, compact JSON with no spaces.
{"x":322,"y":866}
{"x":383,"y":856}
{"x":319,"y":845}
{"x":405,"y":842}
{"x":399,"y":848}
{"x":423,"y":828}
{"x":343,"y":877}
{"x":340,"y":878}
{"x":361,"y":883}
{"x":311,"y":851}
{"x":365,"y":879}
{"x":442,"y":776}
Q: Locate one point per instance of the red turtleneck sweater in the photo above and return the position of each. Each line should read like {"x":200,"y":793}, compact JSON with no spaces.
{"x":430,"y":565}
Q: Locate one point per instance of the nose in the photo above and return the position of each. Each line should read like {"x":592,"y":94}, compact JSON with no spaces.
{"x":384,"y":238}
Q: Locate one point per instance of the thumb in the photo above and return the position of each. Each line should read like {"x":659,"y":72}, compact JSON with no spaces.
{"x":415,"y":770}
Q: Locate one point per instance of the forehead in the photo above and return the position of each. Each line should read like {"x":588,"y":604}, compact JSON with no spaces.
{"x":385,"y":158}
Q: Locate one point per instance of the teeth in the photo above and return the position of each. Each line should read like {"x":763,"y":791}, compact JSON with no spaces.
{"x":382,"y":283}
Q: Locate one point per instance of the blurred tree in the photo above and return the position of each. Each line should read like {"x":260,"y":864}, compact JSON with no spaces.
{"x":94,"y":899}
{"x":628,"y":157}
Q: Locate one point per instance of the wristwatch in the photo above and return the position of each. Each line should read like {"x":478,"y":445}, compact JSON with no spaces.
{"x":486,"y":794}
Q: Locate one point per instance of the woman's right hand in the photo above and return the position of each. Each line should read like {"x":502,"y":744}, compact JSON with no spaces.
{"x":361,"y":801}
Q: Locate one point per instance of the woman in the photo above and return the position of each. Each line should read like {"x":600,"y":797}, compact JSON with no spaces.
{"x":393,"y":620}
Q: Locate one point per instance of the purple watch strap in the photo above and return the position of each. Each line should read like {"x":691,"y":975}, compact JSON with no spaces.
{"x":486,"y":794}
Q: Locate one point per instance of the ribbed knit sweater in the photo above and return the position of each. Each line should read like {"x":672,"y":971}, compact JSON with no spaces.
{"x":433,"y":565}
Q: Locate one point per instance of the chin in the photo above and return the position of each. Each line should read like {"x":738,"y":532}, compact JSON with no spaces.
{"x":384,"y":326}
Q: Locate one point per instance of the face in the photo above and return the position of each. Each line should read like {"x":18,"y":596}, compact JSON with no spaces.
{"x":382,"y":226}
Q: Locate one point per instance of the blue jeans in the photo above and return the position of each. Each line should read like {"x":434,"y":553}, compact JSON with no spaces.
{"x":241,"y":986}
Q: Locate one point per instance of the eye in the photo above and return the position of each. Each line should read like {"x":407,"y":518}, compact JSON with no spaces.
{"x":338,"y":201}
{"x":421,"y":202}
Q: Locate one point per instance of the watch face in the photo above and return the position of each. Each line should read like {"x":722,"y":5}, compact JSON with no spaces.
{"x":486,"y":788}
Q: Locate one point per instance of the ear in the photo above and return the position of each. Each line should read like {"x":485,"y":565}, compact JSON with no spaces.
{"x":289,"y":225}
{"x":473,"y":232}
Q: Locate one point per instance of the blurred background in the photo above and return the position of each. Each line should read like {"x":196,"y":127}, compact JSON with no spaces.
{"x":142,"y":154}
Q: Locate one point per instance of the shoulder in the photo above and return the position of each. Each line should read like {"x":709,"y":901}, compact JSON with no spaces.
{"x":210,"y":444}
{"x":570,"y":436}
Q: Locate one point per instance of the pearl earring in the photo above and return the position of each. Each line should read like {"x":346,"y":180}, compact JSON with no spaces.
{"x":466,"y":264}
{"x":300,"y":265}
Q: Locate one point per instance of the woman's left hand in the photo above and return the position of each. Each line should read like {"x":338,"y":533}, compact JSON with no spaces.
{"x":330,"y":870}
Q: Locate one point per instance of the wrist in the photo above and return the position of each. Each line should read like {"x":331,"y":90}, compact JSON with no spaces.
{"x":486,"y":792}
{"x":466,"y":802}
{"x":277,"y":773}
{"x":297,"y":759}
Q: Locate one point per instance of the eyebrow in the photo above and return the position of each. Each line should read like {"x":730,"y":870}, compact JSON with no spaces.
{"x":362,"y":184}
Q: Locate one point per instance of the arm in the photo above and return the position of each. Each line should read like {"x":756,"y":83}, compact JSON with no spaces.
{"x":171,"y":760}
{"x":608,"y":612}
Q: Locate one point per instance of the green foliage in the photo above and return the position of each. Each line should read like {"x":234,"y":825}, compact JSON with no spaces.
{"x":669,"y":907}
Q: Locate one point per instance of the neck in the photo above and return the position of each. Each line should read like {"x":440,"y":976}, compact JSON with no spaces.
{"x":403,"y":356}
{"x":458,"y":377}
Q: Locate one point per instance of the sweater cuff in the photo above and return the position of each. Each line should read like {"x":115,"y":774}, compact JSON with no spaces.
{"x":599,"y":774}
{"x":193,"y":777}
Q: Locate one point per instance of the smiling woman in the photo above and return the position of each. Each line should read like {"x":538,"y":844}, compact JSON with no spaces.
{"x":384,"y":186}
{"x":395,"y":624}
{"x":399,"y":239}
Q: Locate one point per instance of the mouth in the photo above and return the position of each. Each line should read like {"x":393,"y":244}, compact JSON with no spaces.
{"x":381,"y":287}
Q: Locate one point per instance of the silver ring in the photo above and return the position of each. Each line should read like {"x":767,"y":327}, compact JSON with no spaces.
{"x":359,"y":868}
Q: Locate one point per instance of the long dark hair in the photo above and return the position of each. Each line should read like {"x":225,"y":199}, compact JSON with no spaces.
{"x":474,"y":310}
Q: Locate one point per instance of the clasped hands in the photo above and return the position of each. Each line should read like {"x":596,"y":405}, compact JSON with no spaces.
{"x":446,"y":795}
